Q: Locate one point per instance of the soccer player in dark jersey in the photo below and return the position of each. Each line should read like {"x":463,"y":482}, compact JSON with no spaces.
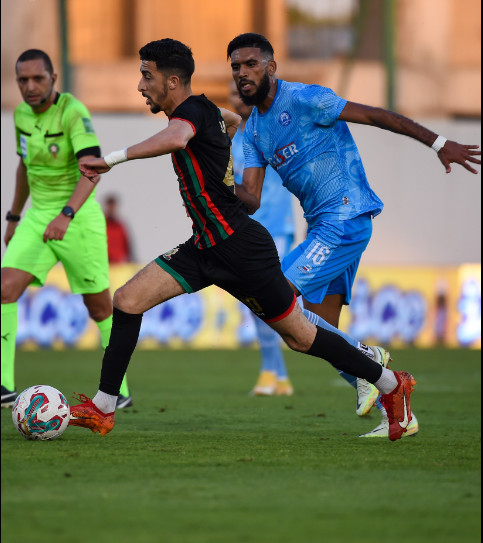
{"x":228,"y":248}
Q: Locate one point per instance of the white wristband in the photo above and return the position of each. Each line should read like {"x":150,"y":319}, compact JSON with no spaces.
{"x":116,"y":157}
{"x":438,"y":143}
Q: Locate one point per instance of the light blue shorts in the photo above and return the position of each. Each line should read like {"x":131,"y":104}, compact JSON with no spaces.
{"x":327,"y":261}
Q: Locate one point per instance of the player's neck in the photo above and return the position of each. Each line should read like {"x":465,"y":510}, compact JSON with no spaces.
{"x":265,"y":105}
{"x":177,"y":99}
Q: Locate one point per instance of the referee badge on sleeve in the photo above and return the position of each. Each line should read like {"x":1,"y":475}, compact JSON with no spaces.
{"x":88,"y":128}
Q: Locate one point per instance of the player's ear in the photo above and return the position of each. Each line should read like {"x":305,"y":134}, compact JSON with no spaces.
{"x":54,"y":78}
{"x":272,"y":67}
{"x":173,"y":82}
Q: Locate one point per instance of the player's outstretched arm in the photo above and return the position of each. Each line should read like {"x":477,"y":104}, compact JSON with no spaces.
{"x":448,"y":151}
{"x":173,"y":138}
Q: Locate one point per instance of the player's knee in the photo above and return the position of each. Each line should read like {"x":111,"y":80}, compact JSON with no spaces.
{"x":10,"y":291}
{"x":296,"y":343}
{"x":124,"y":302}
{"x":99,"y":306}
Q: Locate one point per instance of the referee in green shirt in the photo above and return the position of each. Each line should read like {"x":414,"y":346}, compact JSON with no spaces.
{"x":64,"y":223}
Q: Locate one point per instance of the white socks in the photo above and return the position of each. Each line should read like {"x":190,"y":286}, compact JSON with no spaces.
{"x":387,"y":382}
{"x":105,"y":402}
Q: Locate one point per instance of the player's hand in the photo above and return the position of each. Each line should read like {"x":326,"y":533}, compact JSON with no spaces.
{"x":57,"y":228}
{"x":10,"y":231}
{"x":459,"y":154}
{"x":93,"y":167}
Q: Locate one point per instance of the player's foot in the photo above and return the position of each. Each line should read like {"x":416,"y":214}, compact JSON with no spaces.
{"x":366,"y":392}
{"x":123,"y":402}
{"x":87,"y":415}
{"x":283,"y":387}
{"x":8,"y":397}
{"x":397,"y":404}
{"x":267,"y":381}
{"x":383,"y":429}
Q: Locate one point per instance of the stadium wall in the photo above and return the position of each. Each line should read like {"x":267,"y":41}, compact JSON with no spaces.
{"x":430,"y":218}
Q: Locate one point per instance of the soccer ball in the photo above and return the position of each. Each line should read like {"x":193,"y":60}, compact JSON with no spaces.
{"x":41,"y":412}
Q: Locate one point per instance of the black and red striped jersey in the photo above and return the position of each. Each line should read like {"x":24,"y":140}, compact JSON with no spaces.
{"x":205,"y":174}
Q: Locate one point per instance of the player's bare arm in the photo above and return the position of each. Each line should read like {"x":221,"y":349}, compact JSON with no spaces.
{"x":451,"y":151}
{"x":250,"y":190}
{"x":232,"y":121}
{"x":57,"y":228}
{"x":20,"y":196}
{"x":173,"y":138}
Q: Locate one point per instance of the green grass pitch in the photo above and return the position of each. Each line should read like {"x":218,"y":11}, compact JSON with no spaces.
{"x":199,"y":461}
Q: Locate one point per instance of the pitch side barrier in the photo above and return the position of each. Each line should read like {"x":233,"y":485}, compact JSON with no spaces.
{"x":391,"y":306}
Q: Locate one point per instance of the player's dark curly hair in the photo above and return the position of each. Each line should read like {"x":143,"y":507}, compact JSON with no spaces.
{"x":250,"y":39}
{"x":35,"y":54}
{"x":170,"y":56}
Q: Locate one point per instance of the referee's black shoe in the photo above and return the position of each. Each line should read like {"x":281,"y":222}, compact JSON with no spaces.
{"x":8,"y":397}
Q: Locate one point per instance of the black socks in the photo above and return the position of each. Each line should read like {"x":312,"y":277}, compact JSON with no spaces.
{"x":343,"y":356}
{"x":124,"y":337}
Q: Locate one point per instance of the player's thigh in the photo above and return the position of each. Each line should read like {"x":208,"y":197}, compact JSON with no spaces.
{"x":315,"y":265}
{"x":27,"y":251}
{"x":83,"y":252}
{"x":248,"y":267}
{"x":297,"y":332}
{"x":329,"y":309}
{"x":149,"y":287}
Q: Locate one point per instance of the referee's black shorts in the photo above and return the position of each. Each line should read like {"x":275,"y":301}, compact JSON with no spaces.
{"x":246,"y":265}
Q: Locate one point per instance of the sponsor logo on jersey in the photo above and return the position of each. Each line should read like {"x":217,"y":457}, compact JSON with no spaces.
{"x":345,"y":200}
{"x":285,"y":118}
{"x":283,"y":154}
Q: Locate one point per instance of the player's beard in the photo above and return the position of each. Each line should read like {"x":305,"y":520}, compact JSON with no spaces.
{"x":156,"y":108}
{"x":260,"y":94}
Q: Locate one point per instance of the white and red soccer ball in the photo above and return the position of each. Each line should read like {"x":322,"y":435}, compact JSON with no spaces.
{"x":41,"y":412}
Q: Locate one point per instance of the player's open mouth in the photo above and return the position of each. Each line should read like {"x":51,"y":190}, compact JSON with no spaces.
{"x":245,"y":86}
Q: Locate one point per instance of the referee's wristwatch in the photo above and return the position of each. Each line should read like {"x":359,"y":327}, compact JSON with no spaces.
{"x":11,"y":217}
{"x":68,"y":212}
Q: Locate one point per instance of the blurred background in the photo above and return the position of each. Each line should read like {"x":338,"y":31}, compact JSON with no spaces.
{"x":420,"y":280}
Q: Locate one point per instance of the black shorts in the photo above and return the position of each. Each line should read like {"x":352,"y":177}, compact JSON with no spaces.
{"x":246,"y":265}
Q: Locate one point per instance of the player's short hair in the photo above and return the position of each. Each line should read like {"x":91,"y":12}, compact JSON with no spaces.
{"x":170,"y":56}
{"x":250,"y":39}
{"x":36,"y":54}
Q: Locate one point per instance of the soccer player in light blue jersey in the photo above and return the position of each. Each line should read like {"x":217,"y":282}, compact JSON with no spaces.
{"x":276,"y":215}
{"x":301,"y":131}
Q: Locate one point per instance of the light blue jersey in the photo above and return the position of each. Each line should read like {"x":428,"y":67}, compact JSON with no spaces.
{"x":314,"y":153}
{"x":275,"y":212}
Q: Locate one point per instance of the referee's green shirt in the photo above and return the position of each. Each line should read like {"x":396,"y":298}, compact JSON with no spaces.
{"x":50,"y":144}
